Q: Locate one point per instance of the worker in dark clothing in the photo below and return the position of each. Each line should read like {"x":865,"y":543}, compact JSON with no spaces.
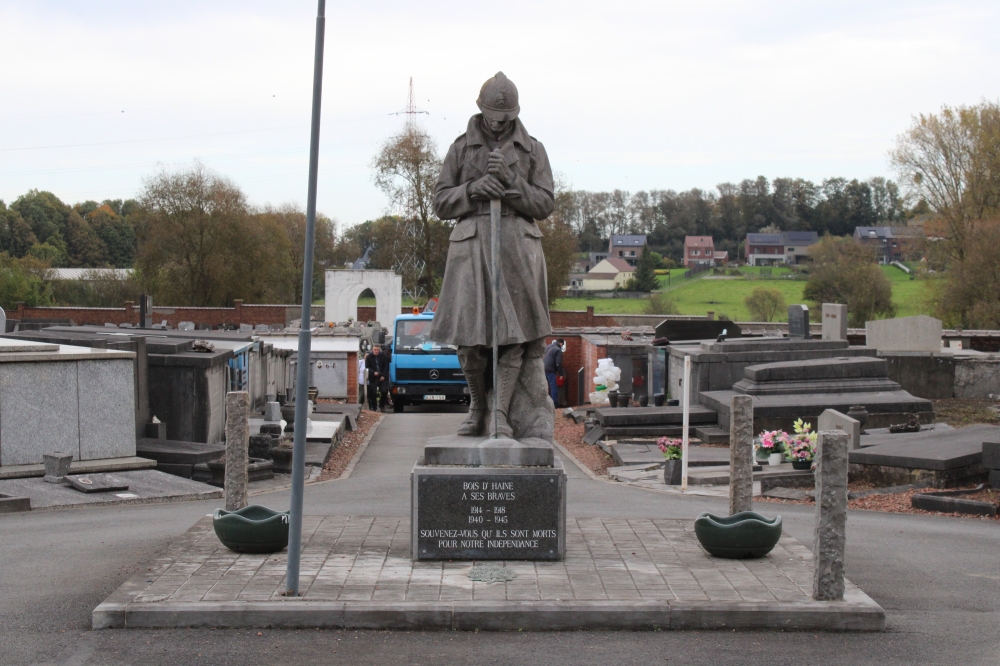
{"x":553,"y":367}
{"x":377,"y":365}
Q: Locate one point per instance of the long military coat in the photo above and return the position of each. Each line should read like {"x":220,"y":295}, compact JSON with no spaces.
{"x":464,"y":313}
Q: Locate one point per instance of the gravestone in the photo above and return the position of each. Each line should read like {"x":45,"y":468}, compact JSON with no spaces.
{"x":696,"y":329}
{"x":185,"y":326}
{"x":829,"y":539}
{"x":798,"y":322}
{"x":906,"y":334}
{"x":3,"y":321}
{"x":834,"y":321}
{"x":831,"y":419}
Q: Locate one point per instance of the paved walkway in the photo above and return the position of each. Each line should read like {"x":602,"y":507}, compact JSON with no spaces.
{"x":367,"y":559}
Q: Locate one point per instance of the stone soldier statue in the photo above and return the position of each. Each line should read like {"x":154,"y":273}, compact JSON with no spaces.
{"x":497,"y":159}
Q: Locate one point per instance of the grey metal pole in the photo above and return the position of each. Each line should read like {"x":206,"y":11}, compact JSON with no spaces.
{"x":495,"y":261}
{"x":305,"y":334}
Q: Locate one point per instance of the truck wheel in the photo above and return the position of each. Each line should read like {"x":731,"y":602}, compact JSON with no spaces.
{"x":397,"y":405}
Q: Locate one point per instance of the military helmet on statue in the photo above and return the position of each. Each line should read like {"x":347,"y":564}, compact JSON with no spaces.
{"x":498,"y":98}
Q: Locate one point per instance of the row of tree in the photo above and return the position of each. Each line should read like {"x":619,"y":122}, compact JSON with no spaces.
{"x":194,"y":239}
{"x":731,"y":211}
{"x":85,"y":235}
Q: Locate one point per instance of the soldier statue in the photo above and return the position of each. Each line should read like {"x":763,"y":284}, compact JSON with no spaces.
{"x":497,"y":159}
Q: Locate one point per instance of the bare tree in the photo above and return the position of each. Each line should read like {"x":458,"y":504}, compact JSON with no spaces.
{"x":951,"y":160}
{"x":406,"y":169}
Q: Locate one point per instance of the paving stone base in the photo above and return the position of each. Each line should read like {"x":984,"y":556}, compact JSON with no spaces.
{"x":357,"y":573}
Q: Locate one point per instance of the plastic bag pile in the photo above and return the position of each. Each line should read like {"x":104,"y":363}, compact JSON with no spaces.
{"x":605,"y":379}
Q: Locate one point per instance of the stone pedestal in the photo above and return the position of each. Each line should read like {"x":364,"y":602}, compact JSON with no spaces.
{"x":488,"y":512}
{"x":741,"y":455}
{"x":237,"y":446}
{"x":831,"y":516}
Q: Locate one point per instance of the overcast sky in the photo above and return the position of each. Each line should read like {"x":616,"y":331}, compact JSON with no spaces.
{"x":95,"y":96}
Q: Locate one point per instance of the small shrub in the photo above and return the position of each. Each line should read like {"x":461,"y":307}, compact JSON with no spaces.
{"x":661,"y":304}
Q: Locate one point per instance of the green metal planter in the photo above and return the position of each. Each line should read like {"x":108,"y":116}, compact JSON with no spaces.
{"x":740,"y":536}
{"x":252,"y":529}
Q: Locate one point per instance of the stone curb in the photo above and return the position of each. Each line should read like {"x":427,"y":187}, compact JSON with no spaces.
{"x":860,"y":614}
{"x":346,"y":474}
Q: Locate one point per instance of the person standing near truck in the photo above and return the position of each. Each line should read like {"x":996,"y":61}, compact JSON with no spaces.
{"x":553,"y":368}
{"x":377,"y":364}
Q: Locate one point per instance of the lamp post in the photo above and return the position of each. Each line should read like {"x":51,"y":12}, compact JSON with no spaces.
{"x":305,"y":334}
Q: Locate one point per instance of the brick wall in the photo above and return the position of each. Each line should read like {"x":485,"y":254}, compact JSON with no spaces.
{"x":129,"y":314}
{"x":590,"y":353}
{"x":580,"y":318}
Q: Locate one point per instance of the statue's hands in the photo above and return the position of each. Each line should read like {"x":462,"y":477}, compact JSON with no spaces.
{"x":498,"y":167}
{"x":487,"y":187}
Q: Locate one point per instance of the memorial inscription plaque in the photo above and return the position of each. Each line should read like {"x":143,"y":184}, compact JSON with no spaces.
{"x":486,"y":513}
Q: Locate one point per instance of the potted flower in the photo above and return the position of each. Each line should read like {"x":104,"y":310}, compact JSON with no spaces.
{"x":772,"y":445}
{"x":672,"y":452}
{"x":802,"y":446}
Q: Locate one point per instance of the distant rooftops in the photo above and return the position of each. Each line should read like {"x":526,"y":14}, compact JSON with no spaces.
{"x":630,"y":240}
{"x":784,"y":238}
{"x":91,"y":273}
{"x":698,"y":241}
{"x":887,"y":232}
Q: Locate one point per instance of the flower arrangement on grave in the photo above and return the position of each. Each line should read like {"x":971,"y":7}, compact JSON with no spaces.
{"x":772,"y":441}
{"x":801,"y":445}
{"x":672,"y":448}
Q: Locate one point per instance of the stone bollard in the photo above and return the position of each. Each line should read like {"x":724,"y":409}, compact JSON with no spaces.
{"x":237,"y":445}
{"x":741,"y":454}
{"x":831,"y":516}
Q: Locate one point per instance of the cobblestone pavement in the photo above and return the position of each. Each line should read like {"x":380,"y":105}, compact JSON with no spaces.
{"x":351,"y":558}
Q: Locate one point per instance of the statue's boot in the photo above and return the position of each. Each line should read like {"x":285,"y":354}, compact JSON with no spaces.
{"x":508,"y":372}
{"x":473,"y":366}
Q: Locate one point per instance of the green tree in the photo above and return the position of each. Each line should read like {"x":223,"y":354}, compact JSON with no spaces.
{"x":23,"y":281}
{"x":116,"y":232}
{"x":970,"y":297}
{"x":844,"y":271}
{"x":84,"y":247}
{"x":189,"y":221}
{"x":16,"y":236}
{"x":44,"y":212}
{"x":559,"y":244}
{"x":765,"y":303}
{"x":644,"y":278}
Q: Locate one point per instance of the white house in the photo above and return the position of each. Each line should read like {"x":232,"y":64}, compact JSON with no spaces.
{"x":609,"y":274}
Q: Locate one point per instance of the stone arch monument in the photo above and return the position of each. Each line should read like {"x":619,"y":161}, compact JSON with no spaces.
{"x":344,"y":286}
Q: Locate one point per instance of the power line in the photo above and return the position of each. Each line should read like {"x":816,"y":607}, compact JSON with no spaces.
{"x":191,"y":136}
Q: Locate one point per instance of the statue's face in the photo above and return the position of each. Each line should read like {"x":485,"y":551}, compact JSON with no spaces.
{"x":497,"y":126}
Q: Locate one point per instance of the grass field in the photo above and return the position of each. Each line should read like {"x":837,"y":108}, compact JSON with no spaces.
{"x":725,"y":296}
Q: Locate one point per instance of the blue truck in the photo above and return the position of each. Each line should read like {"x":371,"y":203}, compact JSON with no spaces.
{"x":422,"y":371}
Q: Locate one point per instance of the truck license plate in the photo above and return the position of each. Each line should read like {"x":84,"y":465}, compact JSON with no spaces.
{"x":434,"y":397}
